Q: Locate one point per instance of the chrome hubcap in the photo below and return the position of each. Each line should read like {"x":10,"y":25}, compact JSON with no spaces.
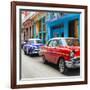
{"x":61,"y":66}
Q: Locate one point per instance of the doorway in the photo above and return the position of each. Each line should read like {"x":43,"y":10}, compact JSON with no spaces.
{"x":73,"y":28}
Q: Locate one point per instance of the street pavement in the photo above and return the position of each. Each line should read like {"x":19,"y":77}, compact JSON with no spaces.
{"x":33,"y":67}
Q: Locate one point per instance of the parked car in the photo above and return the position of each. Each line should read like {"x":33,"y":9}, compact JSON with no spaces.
{"x":32,"y":46}
{"x":65,"y":52}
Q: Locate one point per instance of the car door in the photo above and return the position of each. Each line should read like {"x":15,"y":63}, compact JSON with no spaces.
{"x":54,"y":51}
{"x":49,"y":50}
{"x":58,"y":50}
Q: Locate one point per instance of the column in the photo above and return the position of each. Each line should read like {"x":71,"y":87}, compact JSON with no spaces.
{"x":34,"y":30}
{"x":42,"y":29}
{"x":66,"y":29}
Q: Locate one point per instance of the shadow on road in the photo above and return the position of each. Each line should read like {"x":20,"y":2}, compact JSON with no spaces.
{"x":71,"y":72}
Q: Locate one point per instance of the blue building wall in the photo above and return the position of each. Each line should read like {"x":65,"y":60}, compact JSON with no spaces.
{"x":64,"y":22}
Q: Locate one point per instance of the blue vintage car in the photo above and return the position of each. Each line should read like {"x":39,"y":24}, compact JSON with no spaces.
{"x":32,"y":46}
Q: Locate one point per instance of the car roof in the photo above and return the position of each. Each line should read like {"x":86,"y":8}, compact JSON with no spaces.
{"x":34,"y":39}
{"x":63,"y":38}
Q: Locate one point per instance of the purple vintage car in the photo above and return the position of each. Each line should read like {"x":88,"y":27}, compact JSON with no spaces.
{"x":32,"y":46}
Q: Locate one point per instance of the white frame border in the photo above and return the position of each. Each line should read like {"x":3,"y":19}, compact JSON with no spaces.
{"x":50,"y":80}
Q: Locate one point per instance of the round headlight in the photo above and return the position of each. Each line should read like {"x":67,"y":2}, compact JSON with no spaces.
{"x":72,"y":54}
{"x":35,"y":47}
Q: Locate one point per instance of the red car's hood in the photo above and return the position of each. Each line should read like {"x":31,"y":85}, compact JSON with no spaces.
{"x":74,"y":48}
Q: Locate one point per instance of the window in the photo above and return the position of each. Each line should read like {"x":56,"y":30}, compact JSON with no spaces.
{"x":30,"y":32}
{"x":50,"y":43}
{"x":39,"y":26}
{"x":58,"y":26}
{"x":55,"y":43}
{"x":44,"y":38}
{"x":60,"y":42}
{"x":30,"y":41}
{"x":38,"y":41}
{"x":40,"y":35}
{"x":52,"y":15}
{"x":43,"y":23}
{"x":72,"y":42}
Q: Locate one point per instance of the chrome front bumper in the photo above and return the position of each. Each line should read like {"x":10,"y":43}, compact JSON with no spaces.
{"x":35,"y":51}
{"x":73,"y":63}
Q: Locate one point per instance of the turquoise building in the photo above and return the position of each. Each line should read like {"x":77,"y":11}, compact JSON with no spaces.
{"x":59,"y":24}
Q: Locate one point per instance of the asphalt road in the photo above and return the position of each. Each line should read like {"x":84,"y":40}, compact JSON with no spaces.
{"x":33,"y":67}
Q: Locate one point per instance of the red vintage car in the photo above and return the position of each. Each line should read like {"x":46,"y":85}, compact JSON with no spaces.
{"x":65,"y":52}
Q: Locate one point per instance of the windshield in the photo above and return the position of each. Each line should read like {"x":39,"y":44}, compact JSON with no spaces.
{"x":38,"y":41}
{"x":72,"y":42}
{"x":31,"y":41}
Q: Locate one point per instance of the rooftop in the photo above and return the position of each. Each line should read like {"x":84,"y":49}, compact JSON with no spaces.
{"x":63,"y":38}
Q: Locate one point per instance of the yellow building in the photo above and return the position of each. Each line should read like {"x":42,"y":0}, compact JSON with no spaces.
{"x":35,"y":27}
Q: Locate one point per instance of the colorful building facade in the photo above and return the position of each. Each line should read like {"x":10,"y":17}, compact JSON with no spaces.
{"x":46,"y":25}
{"x":65,"y":25}
{"x":35,"y":26}
{"x":39,"y":26}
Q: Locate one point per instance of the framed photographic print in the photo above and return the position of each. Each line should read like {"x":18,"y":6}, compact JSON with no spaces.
{"x":48,"y":44}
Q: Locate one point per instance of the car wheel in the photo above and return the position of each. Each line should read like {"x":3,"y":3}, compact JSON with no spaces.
{"x":62,"y":67}
{"x":30,"y":53}
{"x":44,"y":59}
{"x":27,"y":51}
